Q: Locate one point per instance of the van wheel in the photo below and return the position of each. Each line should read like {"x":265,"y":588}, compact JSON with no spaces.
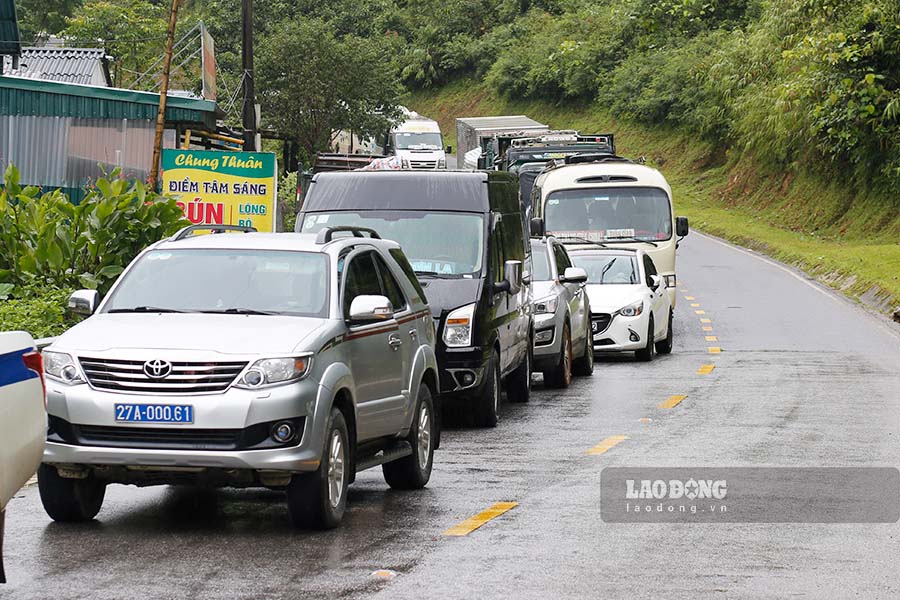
{"x":518,"y":385}
{"x":70,"y":500}
{"x":665,"y":346}
{"x":487,"y":409}
{"x":318,"y":500}
{"x":413,"y":472}
{"x":560,"y":376}
{"x":584,"y":366}
{"x":646,"y":353}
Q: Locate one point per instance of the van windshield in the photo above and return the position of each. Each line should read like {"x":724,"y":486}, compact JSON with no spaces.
{"x":407,"y":140}
{"x":438,"y":244}
{"x":609,"y":214}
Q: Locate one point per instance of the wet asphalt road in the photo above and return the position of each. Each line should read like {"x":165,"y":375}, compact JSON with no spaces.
{"x":804,"y":379}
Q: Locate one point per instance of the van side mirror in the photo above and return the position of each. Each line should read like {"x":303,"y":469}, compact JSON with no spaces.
{"x":574,"y":275}
{"x":449,"y":150}
{"x":681,"y":226}
{"x":512,"y":276}
{"x":370,"y":309}
{"x":84,"y":302}
{"x":537,"y":227}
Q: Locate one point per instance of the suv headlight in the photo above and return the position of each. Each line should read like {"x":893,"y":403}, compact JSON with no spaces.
{"x":632,"y":310}
{"x":61,"y":367}
{"x":458,"y":327}
{"x":272,"y":371}
{"x":546,"y":305}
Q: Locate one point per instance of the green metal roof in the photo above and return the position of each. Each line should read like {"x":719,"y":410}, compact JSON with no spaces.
{"x":9,"y":28}
{"x":35,"y":97}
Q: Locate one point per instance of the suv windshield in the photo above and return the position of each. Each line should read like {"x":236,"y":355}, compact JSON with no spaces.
{"x":621,"y":269}
{"x":610,"y":214}
{"x":417,"y":141}
{"x":225,"y":281}
{"x":437,"y":244}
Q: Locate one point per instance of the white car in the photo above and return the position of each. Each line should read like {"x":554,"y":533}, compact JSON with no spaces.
{"x":23,"y":418}
{"x":630,"y":309}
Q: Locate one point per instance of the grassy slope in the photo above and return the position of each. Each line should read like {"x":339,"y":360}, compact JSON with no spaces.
{"x":849,"y":242}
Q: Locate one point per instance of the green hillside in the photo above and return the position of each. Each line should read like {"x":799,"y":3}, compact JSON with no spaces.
{"x":847,"y":241}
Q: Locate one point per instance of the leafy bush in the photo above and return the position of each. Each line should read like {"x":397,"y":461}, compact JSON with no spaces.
{"x":36,"y":307}
{"x":45,"y":238}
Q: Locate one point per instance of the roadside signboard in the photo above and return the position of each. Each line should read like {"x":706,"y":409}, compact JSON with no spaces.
{"x":223,"y":188}
{"x":208,"y":64}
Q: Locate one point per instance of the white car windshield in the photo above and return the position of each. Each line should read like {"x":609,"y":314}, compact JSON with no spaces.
{"x":437,"y":244}
{"x":609,"y":214}
{"x":225,"y":281}
{"x":417,"y":141}
{"x":613,"y":269}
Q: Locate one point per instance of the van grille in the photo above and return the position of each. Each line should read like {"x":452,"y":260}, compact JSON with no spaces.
{"x":185,"y":377}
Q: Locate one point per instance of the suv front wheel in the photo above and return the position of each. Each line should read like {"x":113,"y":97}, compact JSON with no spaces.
{"x":70,"y":500}
{"x":318,"y":500}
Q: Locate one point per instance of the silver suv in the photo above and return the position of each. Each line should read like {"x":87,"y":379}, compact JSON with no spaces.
{"x":280,"y":360}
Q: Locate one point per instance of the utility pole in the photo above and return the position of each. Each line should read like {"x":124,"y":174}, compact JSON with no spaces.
{"x":163,"y":90}
{"x":249,"y":107}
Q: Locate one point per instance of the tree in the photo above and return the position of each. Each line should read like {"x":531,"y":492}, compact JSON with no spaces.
{"x":313,"y":84}
{"x":39,"y":18}
{"x":132,"y":31}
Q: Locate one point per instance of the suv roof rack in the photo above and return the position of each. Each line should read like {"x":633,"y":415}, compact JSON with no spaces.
{"x":190,"y":229}
{"x":327,"y":234}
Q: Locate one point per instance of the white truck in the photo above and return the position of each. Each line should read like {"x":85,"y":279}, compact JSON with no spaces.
{"x":23,"y":417}
{"x":418,"y":143}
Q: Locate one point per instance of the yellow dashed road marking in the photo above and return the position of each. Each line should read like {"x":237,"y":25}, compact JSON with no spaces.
{"x":714,"y":350}
{"x":689,"y":298}
{"x":706,"y":320}
{"x":700,"y":312}
{"x":706,"y":328}
{"x":644,"y":420}
{"x":695,"y":305}
{"x":706,"y":369}
{"x":473,"y":523}
{"x":671,"y":402}
{"x":606,"y":444}
{"x":711,"y":338}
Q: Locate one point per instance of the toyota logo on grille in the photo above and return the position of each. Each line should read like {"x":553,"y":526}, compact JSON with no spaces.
{"x":157,"y":369}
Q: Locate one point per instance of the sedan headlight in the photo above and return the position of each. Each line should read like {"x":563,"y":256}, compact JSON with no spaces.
{"x":632,"y":310}
{"x":546,"y":305}
{"x":273,"y":371}
{"x":458,"y":327}
{"x":61,"y":367}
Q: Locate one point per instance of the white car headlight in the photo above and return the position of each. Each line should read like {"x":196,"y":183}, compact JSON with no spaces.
{"x":272,"y":371}
{"x":458,"y":327}
{"x":632,"y":310}
{"x":61,"y":367}
{"x":546,"y":306}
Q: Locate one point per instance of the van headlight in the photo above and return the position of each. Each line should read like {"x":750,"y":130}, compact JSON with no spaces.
{"x":272,"y":371}
{"x":61,"y":367}
{"x":442,"y":163}
{"x":632,"y":310}
{"x":546,"y":306}
{"x":458,"y":327}
{"x":671,"y":280}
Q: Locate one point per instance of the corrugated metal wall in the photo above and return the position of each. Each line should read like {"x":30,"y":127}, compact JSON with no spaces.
{"x":69,"y":152}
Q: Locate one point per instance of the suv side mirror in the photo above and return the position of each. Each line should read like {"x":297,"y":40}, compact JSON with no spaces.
{"x":370,"y":309}
{"x":512,"y":275}
{"x":681,"y":226}
{"x":449,"y":150}
{"x":574,"y":275}
{"x":655,"y":282}
{"x":537,"y":227}
{"x":84,"y":302}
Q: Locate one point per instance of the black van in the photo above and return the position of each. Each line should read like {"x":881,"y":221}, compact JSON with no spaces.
{"x":464,"y":235}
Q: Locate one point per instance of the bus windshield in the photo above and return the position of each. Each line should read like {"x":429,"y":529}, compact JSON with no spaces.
{"x":609,"y":214}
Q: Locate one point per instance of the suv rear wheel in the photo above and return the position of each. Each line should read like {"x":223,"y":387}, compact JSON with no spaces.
{"x":70,"y":500}
{"x":584,"y":366}
{"x":413,"y":472}
{"x":318,"y":500}
{"x":518,"y":384}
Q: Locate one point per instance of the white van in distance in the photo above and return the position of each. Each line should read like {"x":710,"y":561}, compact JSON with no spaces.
{"x":418,"y":143}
